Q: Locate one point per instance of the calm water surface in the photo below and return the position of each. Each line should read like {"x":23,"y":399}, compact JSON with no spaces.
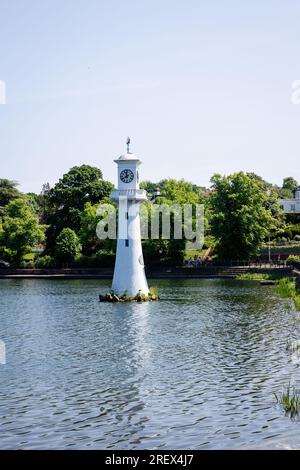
{"x":196,"y":370}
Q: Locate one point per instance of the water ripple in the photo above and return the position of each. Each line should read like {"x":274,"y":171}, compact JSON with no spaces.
{"x":197,"y":370}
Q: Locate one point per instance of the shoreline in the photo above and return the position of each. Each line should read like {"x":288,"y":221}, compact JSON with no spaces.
{"x":209,"y":272}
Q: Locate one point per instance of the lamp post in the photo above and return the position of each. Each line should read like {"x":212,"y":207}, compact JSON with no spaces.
{"x":155,"y":195}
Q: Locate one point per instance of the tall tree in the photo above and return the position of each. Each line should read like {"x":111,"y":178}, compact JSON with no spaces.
{"x":242,"y":215}
{"x":172,"y":192}
{"x":66,"y":200}
{"x":67,"y":247}
{"x":20,"y":230}
{"x":8,"y":192}
{"x":35,"y":202}
{"x":179,"y":191}
{"x":87,"y":234}
{"x":288,"y":187}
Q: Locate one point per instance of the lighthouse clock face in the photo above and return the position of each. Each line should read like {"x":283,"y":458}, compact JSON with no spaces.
{"x":126,"y":176}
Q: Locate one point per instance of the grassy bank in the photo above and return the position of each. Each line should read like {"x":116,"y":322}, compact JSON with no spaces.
{"x":259,"y":277}
{"x":286,"y":288}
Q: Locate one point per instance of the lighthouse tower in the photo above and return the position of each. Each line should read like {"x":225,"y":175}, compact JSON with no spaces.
{"x":129,"y":273}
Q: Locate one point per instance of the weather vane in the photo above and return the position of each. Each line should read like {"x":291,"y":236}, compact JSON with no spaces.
{"x":128,"y":143}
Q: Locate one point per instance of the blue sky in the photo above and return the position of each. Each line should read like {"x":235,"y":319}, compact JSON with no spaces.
{"x":201,"y":87}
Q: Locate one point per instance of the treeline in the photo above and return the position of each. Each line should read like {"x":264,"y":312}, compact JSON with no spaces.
{"x":58,"y":226}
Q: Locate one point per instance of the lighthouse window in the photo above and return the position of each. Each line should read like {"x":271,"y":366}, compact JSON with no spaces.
{"x":126,"y":215}
{"x":126,"y":242}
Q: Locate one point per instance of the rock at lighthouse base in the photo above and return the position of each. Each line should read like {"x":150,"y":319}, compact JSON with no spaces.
{"x":139,"y":297}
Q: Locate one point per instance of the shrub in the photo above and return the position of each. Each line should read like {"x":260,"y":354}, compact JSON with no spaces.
{"x":45,"y":262}
{"x":105,"y":258}
{"x":67,"y":246}
{"x":293,"y":259}
{"x":102,"y":259}
{"x":84,"y":261}
{"x":27,"y":264}
{"x":282,"y":240}
{"x":292,"y":249}
{"x":297,"y":238}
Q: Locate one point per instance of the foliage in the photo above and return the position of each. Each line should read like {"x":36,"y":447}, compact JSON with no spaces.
{"x":286,"y":288}
{"x":165,"y":252}
{"x":87,"y":234}
{"x":291,"y":249}
{"x":101,"y":259}
{"x":20,"y":230}
{"x":297,"y":301}
{"x":24,"y":264}
{"x":45,"y":262}
{"x":105,"y":258}
{"x":149,"y":187}
{"x":67,"y":246}
{"x":34,"y":202}
{"x":29,"y":256}
{"x":66,"y":201}
{"x":257,"y":276}
{"x":172,"y":192}
{"x":192,"y":253}
{"x":289,"y":399}
{"x":242,"y":215}
{"x":139,"y":297}
{"x":154,"y":291}
{"x":181,"y":191}
{"x":293,"y":259}
{"x":8,"y":192}
{"x":176,"y":252}
{"x":288,"y":188}
{"x":290,"y":230}
{"x":155,"y":251}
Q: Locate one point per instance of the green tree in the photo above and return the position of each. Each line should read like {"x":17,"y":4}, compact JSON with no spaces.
{"x":172,"y":192}
{"x":288,"y":187}
{"x":20,"y":230}
{"x":87,"y":234}
{"x":149,"y":187}
{"x":271,"y":199}
{"x":8,"y":192}
{"x":176,"y":191}
{"x":35,"y":203}
{"x":241,"y":215}
{"x":67,"y":247}
{"x":65,"y":201}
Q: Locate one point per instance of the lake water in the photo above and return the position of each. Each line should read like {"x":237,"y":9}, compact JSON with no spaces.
{"x":197,"y":370}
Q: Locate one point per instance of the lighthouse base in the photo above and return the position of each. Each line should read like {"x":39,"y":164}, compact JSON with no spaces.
{"x":111,"y":297}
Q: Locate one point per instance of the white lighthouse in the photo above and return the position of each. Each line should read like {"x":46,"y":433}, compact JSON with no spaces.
{"x":129,"y":273}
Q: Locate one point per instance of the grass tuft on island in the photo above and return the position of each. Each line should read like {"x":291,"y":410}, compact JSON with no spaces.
{"x":289,"y":399}
{"x":139,"y":297}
